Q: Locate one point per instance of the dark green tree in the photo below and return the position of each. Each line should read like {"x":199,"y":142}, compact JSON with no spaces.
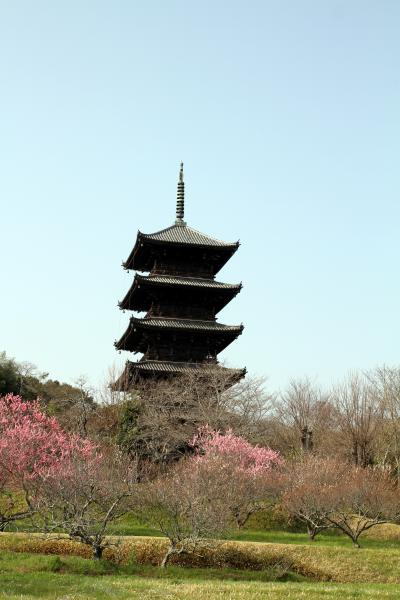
{"x":128,"y":430}
{"x":10,"y":380}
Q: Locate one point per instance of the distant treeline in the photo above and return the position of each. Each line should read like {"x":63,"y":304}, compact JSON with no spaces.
{"x":25,"y":380}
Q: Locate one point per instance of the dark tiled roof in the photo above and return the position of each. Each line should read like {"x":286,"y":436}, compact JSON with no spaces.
{"x":170,"y":366}
{"x":133,"y":339}
{"x":176,"y":238}
{"x":182,"y":234}
{"x":212,"y":293}
{"x":189,"y":281}
{"x":188,"y":324}
{"x":148,"y":367}
{"x":159,"y":366}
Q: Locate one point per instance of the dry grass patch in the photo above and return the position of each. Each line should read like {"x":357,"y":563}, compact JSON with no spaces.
{"x":389,"y":532}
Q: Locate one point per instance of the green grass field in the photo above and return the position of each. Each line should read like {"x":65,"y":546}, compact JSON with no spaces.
{"x":29,"y":577}
{"x":326,"y":568}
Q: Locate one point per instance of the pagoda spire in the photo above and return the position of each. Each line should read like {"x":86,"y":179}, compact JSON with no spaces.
{"x":180,"y":199}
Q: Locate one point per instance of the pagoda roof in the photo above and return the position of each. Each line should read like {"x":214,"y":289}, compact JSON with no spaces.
{"x":145,"y":368}
{"x":188,"y":324}
{"x":160,"y":366}
{"x":183,"y":325}
{"x":187,"y":281}
{"x":137,"y":297}
{"x":181,"y":233}
{"x":176,"y":236}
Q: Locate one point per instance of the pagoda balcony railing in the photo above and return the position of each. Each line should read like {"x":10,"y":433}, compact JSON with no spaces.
{"x":181,"y":312}
{"x":189,"y":357}
{"x":183,"y":271}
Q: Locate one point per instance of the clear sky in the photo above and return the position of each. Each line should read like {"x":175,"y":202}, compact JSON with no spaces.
{"x":286,"y":114}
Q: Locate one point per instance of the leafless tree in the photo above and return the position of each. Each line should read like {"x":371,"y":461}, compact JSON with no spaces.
{"x":327,"y":492}
{"x":385,"y":385}
{"x":82,"y":406}
{"x":106,"y":394}
{"x":187,"y":505}
{"x":364,"y":498}
{"x":306,"y":482}
{"x":303,"y":415}
{"x":249,"y":406}
{"x":359,"y":416}
{"x":88,"y":495}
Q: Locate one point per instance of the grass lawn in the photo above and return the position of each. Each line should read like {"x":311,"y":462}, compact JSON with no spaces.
{"x":29,"y":577}
{"x":325,"y":538}
{"x":328,"y":568}
{"x":74,"y":587}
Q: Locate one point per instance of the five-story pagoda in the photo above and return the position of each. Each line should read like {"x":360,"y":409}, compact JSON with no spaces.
{"x":181,"y":298}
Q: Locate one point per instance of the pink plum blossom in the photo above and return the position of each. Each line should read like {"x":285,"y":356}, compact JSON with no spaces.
{"x":32,"y":444}
{"x":248,"y":458}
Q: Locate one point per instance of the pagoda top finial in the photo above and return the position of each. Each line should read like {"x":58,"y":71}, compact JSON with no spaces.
{"x":180,"y":199}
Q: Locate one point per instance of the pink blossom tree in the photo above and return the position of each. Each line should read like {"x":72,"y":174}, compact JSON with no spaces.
{"x":254,"y":476}
{"x":32,"y":447}
{"x":73,"y":485}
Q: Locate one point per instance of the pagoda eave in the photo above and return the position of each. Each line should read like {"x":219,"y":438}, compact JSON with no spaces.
{"x":152,"y":369}
{"x":141,"y":331}
{"x":186,"y":325}
{"x":147,"y":247}
{"x":145,"y":289}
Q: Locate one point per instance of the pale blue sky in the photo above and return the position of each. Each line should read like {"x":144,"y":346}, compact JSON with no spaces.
{"x":286,"y":115}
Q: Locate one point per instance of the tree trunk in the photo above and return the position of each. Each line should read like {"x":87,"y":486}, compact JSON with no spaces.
{"x":167,"y":556}
{"x":240,"y":522}
{"x":351,"y":535}
{"x":398,"y":472}
{"x":312,"y":532}
{"x":97,"y":552}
